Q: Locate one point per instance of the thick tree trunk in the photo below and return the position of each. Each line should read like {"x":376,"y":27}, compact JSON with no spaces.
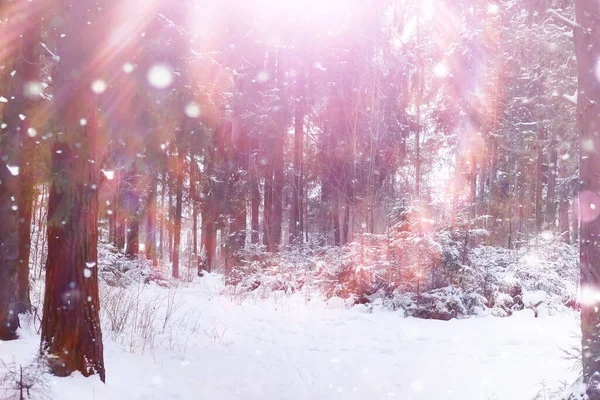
{"x":71,"y":324}
{"x":71,"y":332}
{"x":9,"y":234}
{"x":587,"y":50}
{"x":16,"y":183}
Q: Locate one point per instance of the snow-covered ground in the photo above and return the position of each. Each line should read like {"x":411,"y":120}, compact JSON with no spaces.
{"x":220,"y":346}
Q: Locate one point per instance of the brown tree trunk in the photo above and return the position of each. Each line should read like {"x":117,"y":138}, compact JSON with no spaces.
{"x":151,"y":219}
{"x":563,"y":204}
{"x":551,"y":193}
{"x":9,"y":234}
{"x":133,"y":213}
{"x":346,"y":225}
{"x":587,"y":50}
{"x":335,"y":216}
{"x":16,"y":184}
{"x":193,"y":199}
{"x":297,"y":186}
{"x":208,"y":240}
{"x":575,"y":220}
{"x":163,"y":214}
{"x":254,"y":191}
{"x":25,"y":214}
{"x":268,"y":209}
{"x":119,"y":212}
{"x":277,"y":194}
{"x":178,"y":209}
{"x":538,"y":180}
{"x":170,"y":213}
{"x":255,"y":210}
{"x":70,"y":325}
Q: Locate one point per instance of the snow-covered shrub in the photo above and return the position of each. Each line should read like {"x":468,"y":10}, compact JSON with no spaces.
{"x":24,"y":381}
{"x":543,"y":274}
{"x":444,"y":303}
{"x":430,"y":272}
{"x":116,"y":269}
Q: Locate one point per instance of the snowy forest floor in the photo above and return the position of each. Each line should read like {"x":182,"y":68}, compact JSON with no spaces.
{"x":194,"y":341}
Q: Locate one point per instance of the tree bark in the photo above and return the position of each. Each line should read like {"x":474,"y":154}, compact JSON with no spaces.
{"x":16,"y":190}
{"x":162,"y":211}
{"x":254,"y":191}
{"x":563,"y":202}
{"x":9,"y":234}
{"x":133,"y":213}
{"x":71,"y":331}
{"x":587,"y":50}
{"x":268,"y":209}
{"x":178,"y":209}
{"x":151,"y":219}
{"x":550,"y":216}
{"x":538,"y":179}
{"x":296,"y":227}
{"x":194,"y":175}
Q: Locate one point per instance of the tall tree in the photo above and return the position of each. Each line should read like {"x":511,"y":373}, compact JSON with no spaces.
{"x":21,"y":121}
{"x":71,"y":332}
{"x":587,"y":49}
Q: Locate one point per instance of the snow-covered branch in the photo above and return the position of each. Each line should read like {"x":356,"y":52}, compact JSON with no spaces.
{"x":566,"y":21}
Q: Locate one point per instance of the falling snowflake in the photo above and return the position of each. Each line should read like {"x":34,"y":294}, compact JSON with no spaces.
{"x":192,"y":110}
{"x":98,"y":86}
{"x":160,"y":76}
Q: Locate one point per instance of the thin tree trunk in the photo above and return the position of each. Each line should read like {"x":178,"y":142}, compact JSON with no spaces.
{"x":268,"y":209}
{"x":121,"y":223}
{"x":25,"y":214}
{"x":346,"y":225}
{"x":335,"y":217}
{"x":133,"y":213}
{"x":193,"y":198}
{"x":170,"y":213}
{"x":551,"y":190}
{"x":255,"y":210}
{"x":538,"y":180}
{"x":151,"y":219}
{"x":162,"y":212}
{"x":178,"y":209}
{"x":297,"y":186}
